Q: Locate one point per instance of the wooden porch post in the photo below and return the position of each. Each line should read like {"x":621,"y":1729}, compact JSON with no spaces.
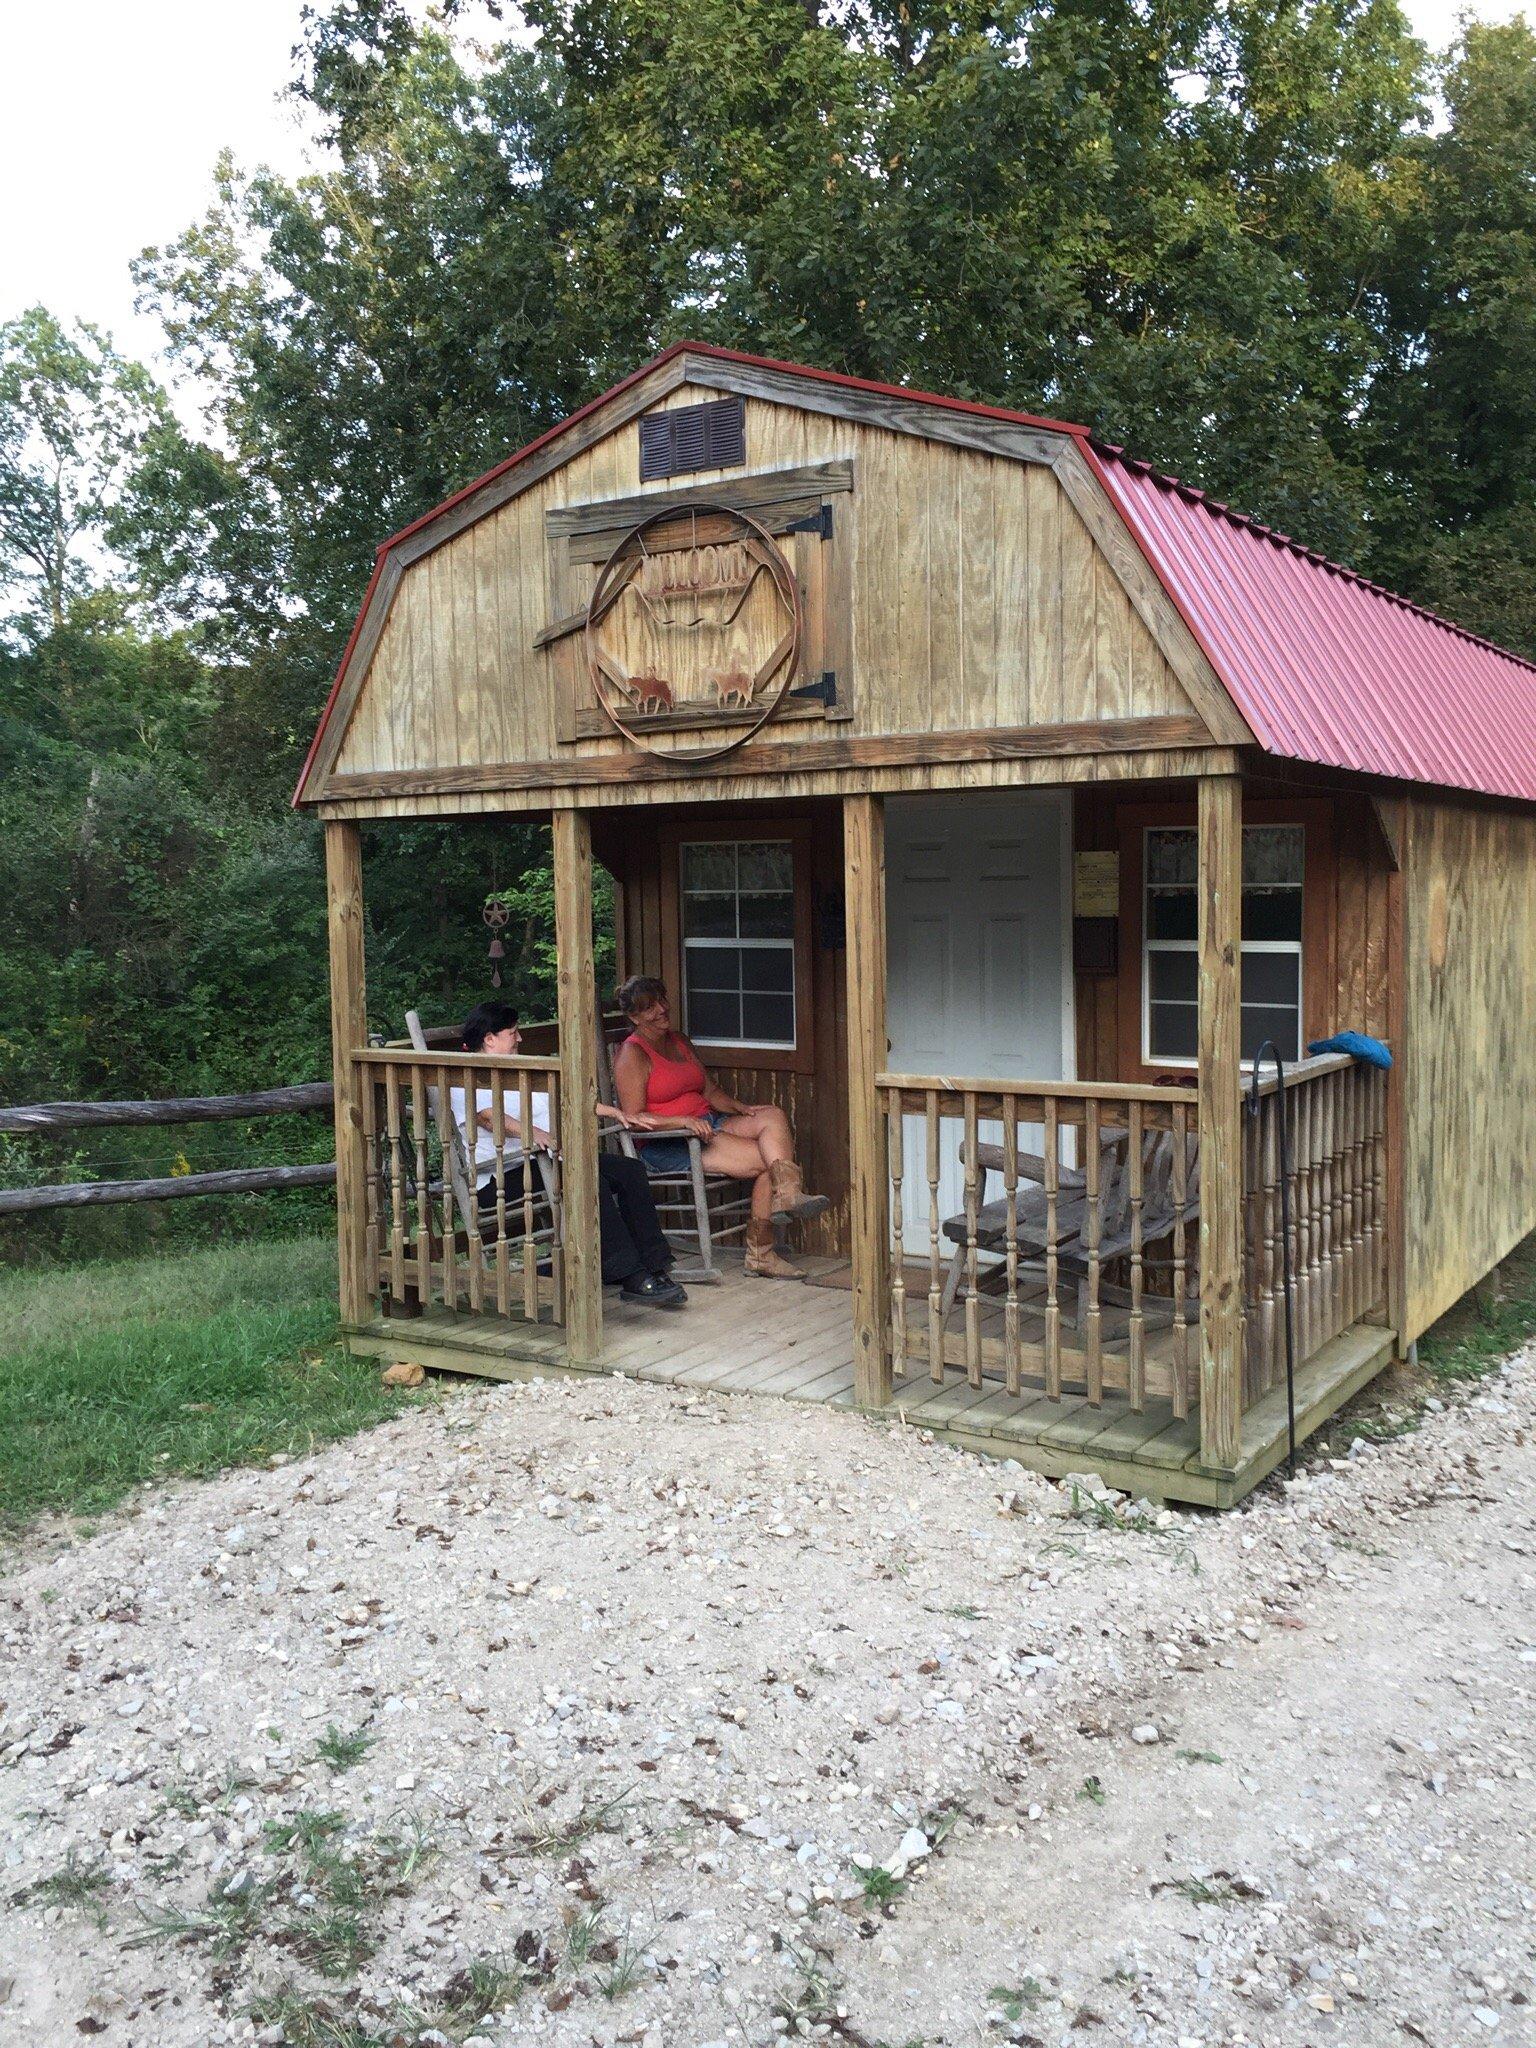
{"x":864,"y":895}
{"x":577,"y":986}
{"x":1221,"y":1115}
{"x":349,"y":1034}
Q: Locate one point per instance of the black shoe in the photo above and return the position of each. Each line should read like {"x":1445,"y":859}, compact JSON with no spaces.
{"x":656,"y":1290}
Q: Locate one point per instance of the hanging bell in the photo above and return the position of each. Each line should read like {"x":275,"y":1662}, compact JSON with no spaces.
{"x":496,"y":915}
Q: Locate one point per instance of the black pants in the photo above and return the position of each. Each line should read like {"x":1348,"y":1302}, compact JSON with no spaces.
{"x":629,"y":1230}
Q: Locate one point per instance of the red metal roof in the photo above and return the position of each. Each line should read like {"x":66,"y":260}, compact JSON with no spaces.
{"x":1325,"y":666}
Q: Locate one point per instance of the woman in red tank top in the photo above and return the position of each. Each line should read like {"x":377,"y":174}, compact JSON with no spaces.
{"x":659,"y":1076}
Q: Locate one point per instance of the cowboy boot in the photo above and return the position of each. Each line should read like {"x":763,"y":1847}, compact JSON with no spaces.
{"x":763,"y":1258}
{"x":789,"y":1196}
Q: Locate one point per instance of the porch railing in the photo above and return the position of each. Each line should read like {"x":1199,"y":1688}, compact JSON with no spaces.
{"x":1335,"y":1118}
{"x":427,"y":1241}
{"x":1081,"y":1274}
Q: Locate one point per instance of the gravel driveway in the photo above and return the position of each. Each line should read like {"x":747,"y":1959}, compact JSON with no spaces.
{"x":598,"y":1713}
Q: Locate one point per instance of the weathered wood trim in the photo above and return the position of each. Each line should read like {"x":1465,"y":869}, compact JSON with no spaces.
{"x":1400,"y":1038}
{"x":1221,"y":1135}
{"x":915,"y":416}
{"x":869,"y":1233}
{"x":596,"y":725}
{"x":577,"y":986}
{"x":1120,"y":735}
{"x":349,"y":1032}
{"x":1390,"y":814}
{"x":1156,"y":609}
{"x":760,"y":490}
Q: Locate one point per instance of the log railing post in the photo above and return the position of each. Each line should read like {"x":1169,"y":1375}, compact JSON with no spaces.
{"x":349,"y":1034}
{"x":870,"y":1236}
{"x":577,"y":985}
{"x":1221,"y":1112}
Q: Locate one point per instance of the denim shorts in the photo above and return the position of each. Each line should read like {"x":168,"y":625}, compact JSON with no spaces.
{"x":670,"y":1154}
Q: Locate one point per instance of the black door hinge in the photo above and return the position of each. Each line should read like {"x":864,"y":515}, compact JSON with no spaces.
{"x":824,"y":687}
{"x":819,"y":522}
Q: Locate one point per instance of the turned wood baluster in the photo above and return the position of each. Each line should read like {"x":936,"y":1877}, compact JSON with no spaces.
{"x":1318,"y":1210}
{"x":1052,"y":1143}
{"x":553,"y":1084}
{"x":1301,"y":1222}
{"x":373,"y":1229}
{"x":1011,"y":1359}
{"x":1136,"y":1364}
{"x":396,"y":1140}
{"x":474,"y":1243}
{"x":1178,"y":1191}
{"x":1271,"y":1331}
{"x":450,"y":1272}
{"x":972,"y":1276}
{"x":498,"y":1128}
{"x":1376,"y":1235}
{"x":1093,"y":1334}
{"x":530,"y":1170}
{"x":423,"y":1185}
{"x":896,"y":1148}
{"x":935,"y":1276}
{"x":1354,"y":1207}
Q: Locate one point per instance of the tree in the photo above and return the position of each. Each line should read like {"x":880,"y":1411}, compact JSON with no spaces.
{"x":73,"y":413}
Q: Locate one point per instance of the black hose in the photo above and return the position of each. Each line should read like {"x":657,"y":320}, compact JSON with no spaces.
{"x":1273,"y":1050}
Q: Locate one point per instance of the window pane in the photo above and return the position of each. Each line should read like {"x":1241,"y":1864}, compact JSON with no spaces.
{"x":714,"y":1016}
{"x":1174,"y":1030}
{"x":1172,"y":914}
{"x":768,"y":1020}
{"x":712,"y":967}
{"x":709,"y":867}
{"x":709,"y":917}
{"x":1172,"y":856}
{"x":768,"y":968}
{"x":1261,"y":1022}
{"x":765,"y":866}
{"x":1272,"y":853}
{"x":1175,"y":977}
{"x":1271,"y":977}
{"x":767,"y":917}
{"x":1271,"y":913}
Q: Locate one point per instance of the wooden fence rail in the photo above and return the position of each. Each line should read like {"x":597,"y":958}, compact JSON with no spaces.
{"x":36,"y":1117}
{"x":1089,"y":1248}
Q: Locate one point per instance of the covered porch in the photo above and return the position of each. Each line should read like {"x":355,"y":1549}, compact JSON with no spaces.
{"x":1079,"y":1273}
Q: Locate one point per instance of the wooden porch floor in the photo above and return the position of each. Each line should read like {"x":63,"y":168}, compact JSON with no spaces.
{"x":796,"y":1342}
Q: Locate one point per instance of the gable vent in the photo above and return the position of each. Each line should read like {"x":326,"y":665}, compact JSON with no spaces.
{"x":709,"y":436}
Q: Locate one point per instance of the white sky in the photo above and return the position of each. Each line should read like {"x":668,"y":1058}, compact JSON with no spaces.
{"x":112,"y":113}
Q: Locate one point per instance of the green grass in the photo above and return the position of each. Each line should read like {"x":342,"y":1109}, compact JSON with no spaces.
{"x":113,"y":1375}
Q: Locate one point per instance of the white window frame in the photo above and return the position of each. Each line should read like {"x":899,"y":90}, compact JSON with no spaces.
{"x":790,"y":1044}
{"x":1149,"y":946}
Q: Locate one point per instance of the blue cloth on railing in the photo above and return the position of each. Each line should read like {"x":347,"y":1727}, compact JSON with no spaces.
{"x":1357,"y":1045}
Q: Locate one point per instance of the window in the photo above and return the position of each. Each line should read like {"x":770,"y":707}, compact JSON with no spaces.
{"x":691,"y":437}
{"x":1273,"y":859}
{"x":738,"y":933}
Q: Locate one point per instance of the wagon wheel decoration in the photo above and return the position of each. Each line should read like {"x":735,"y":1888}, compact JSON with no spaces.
{"x":693,"y":587}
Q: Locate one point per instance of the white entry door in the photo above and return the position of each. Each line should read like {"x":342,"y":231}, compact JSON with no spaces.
{"x":978,"y":938}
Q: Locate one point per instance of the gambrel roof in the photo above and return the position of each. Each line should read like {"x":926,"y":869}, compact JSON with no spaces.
{"x":1324,"y":667}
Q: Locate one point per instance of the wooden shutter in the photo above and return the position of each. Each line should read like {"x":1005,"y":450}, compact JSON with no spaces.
{"x":693,"y":437}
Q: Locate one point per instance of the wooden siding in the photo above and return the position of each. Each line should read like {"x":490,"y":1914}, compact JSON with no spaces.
{"x":1469,"y":1111}
{"x":816,"y":1103}
{"x":980,"y":602}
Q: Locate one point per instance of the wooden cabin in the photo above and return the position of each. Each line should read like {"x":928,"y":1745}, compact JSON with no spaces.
{"x":987,"y":800}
